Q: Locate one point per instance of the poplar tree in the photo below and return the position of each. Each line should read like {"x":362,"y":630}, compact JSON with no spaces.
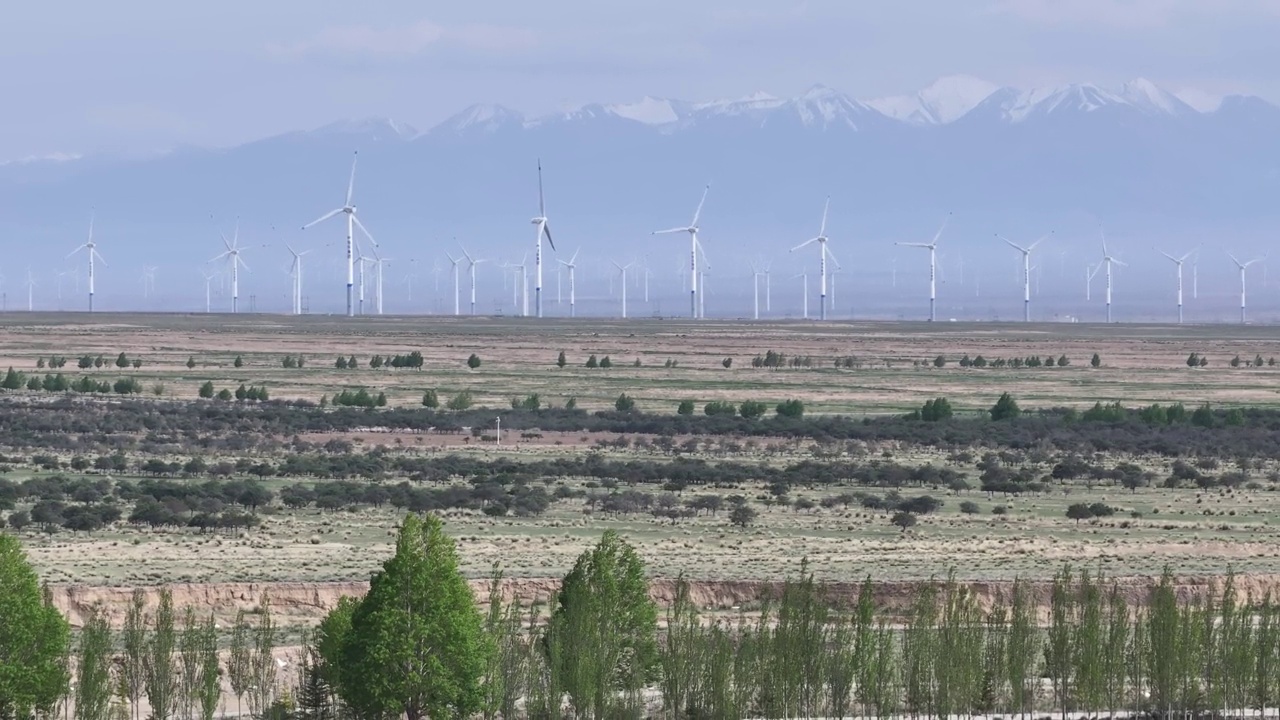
{"x":93,"y":670}
{"x":160,"y":673}
{"x":416,"y":645}
{"x":132,"y":670}
{"x":33,"y":639}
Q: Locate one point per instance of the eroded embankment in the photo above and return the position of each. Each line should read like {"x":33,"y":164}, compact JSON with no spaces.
{"x":306,"y":603}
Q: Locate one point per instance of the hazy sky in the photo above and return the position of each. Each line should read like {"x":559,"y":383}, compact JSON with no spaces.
{"x":145,"y":75}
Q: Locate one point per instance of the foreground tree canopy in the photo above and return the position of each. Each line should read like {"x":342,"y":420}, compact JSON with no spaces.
{"x":33,"y":640}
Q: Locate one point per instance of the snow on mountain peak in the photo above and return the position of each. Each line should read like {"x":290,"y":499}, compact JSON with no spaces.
{"x":1150,"y":98}
{"x":947,"y":99}
{"x":378,"y":127}
{"x":649,"y":110}
{"x":483,"y":118}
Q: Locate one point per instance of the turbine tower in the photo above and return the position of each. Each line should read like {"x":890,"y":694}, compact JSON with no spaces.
{"x":1242,"y":266}
{"x":1107,"y":260}
{"x":208,"y":278}
{"x":454,"y":262}
{"x":543,"y":229}
{"x":622,"y":271}
{"x":352,"y":222}
{"x":233,"y":259}
{"x":932,"y":247}
{"x":755,"y":290}
{"x":1026,"y":273}
{"x":804,"y":311}
{"x":31,"y":286}
{"x":91,"y":249}
{"x":823,"y":253}
{"x":1179,"y":261}
{"x":471,"y":268}
{"x":295,"y":272}
{"x":694,"y":246}
{"x":573,"y":296}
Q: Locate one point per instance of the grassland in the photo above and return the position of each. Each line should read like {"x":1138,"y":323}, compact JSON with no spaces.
{"x":1195,"y":531}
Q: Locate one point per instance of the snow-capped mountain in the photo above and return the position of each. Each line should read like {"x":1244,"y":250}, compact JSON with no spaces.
{"x":1000,"y":157}
{"x":947,"y":99}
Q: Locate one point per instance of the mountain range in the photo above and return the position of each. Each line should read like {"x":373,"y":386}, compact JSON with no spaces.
{"x":1136,"y":158}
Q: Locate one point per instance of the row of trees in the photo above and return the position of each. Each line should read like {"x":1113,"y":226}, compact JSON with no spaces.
{"x":59,"y":383}
{"x":417,"y":646}
{"x":253,"y":393}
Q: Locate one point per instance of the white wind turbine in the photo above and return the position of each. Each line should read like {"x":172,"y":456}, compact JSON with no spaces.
{"x":471,"y":268}
{"x":755,"y":290}
{"x":91,"y":249}
{"x":454,"y":262}
{"x":573,"y":294}
{"x":1107,"y":260}
{"x":932,"y":247}
{"x":804,"y":311}
{"x":543,"y":229}
{"x":694,"y":246}
{"x":208,"y":280}
{"x":823,"y":253}
{"x":379,"y":263}
{"x":1179,"y":261}
{"x":622,"y":272}
{"x":295,"y":272}
{"x":520,"y":285}
{"x":31,"y":285}
{"x":352,"y":222}
{"x":232,"y":255}
{"x":1026,"y":272}
{"x":1243,"y":266}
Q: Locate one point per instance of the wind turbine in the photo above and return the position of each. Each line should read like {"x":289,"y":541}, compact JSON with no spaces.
{"x":543,"y":229}
{"x":755,"y":290}
{"x":1179,"y":261}
{"x":208,"y":279}
{"x":1242,"y":266}
{"x":1107,"y":260}
{"x":1026,"y":272}
{"x":233,"y":258}
{"x":694,"y":246}
{"x":823,"y":253}
{"x":31,"y":284}
{"x":573,"y":295}
{"x":352,"y":222}
{"x":804,"y":313}
{"x":454,"y":262}
{"x":932,"y":247}
{"x":471,"y":268}
{"x":91,"y":249}
{"x":148,"y":279}
{"x":622,"y":271}
{"x":520,"y":285}
{"x":295,"y":272}
{"x":379,"y":263}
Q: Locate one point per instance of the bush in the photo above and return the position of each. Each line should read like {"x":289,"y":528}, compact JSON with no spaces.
{"x":473,"y":362}
{"x":936,"y":410}
{"x":224,"y":394}
{"x":592,"y":362}
{"x":790,"y":409}
{"x":940,"y":361}
{"x":606,"y":363}
{"x":430,"y":399}
{"x":560,"y":360}
{"x":726,"y":409}
{"x":752,"y":409}
{"x":238,"y":362}
{"x":969,"y":507}
{"x":1096,"y":360}
{"x":742,"y":515}
{"x":206,"y":390}
{"x":685,"y":407}
{"x":903,"y":520}
{"x":727,"y":363}
{"x":624,"y":403}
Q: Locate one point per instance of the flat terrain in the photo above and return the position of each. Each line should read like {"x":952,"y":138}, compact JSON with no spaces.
{"x":1195,"y":531}
{"x":1141,"y":363}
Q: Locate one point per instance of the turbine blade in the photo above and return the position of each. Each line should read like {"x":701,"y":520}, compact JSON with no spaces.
{"x":1234,"y":260}
{"x":99,"y":256}
{"x":73,"y":252}
{"x":698,"y":213}
{"x":1014,"y":245}
{"x":542,"y":208}
{"x":668,"y":232}
{"x":938,"y":235}
{"x":322,"y":218}
{"x":1033,"y":245}
{"x":823,"y":231}
{"x":830,"y":255}
{"x":803,"y":244}
{"x":546,"y":230}
{"x":910,"y":244}
{"x":351,"y":184}
{"x":1176,"y":260}
{"x":226,"y":242}
{"x":363,"y":229}
{"x":574,"y":259}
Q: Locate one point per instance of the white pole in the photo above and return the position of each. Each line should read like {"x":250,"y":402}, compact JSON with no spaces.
{"x":351,"y":259}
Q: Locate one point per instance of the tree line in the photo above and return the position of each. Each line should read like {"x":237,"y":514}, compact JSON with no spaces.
{"x":418,"y":646}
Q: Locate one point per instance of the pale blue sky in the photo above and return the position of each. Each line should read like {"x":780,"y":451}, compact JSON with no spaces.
{"x":147,"y":75}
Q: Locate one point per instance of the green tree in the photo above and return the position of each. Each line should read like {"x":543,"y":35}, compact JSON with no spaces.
{"x":940,"y":361}
{"x":1006,"y":408}
{"x":685,"y":407}
{"x":790,"y":409}
{"x":903,"y":520}
{"x":1079,"y":511}
{"x":561,"y":361}
{"x":224,"y":395}
{"x":571,"y":404}
{"x":94,"y":687}
{"x":242,"y":392}
{"x":206,"y":390}
{"x":340,"y":363}
{"x":430,"y":399}
{"x":191,"y":362}
{"x":605,"y":362}
{"x":602,"y":635}
{"x":624,"y":403}
{"x":131,"y":670}
{"x":742,"y":515}
{"x":752,"y":409}
{"x":1096,"y":360}
{"x":416,"y":645}
{"x":160,"y":671}
{"x":238,"y":362}
{"x":122,"y":361}
{"x":33,"y":639}
{"x":1063,"y":361}
{"x":1235,"y":361}
{"x":473,"y":362}
{"x":461,"y":401}
{"x":727,"y":363}
{"x":592,"y":362}
{"x":936,"y":410}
